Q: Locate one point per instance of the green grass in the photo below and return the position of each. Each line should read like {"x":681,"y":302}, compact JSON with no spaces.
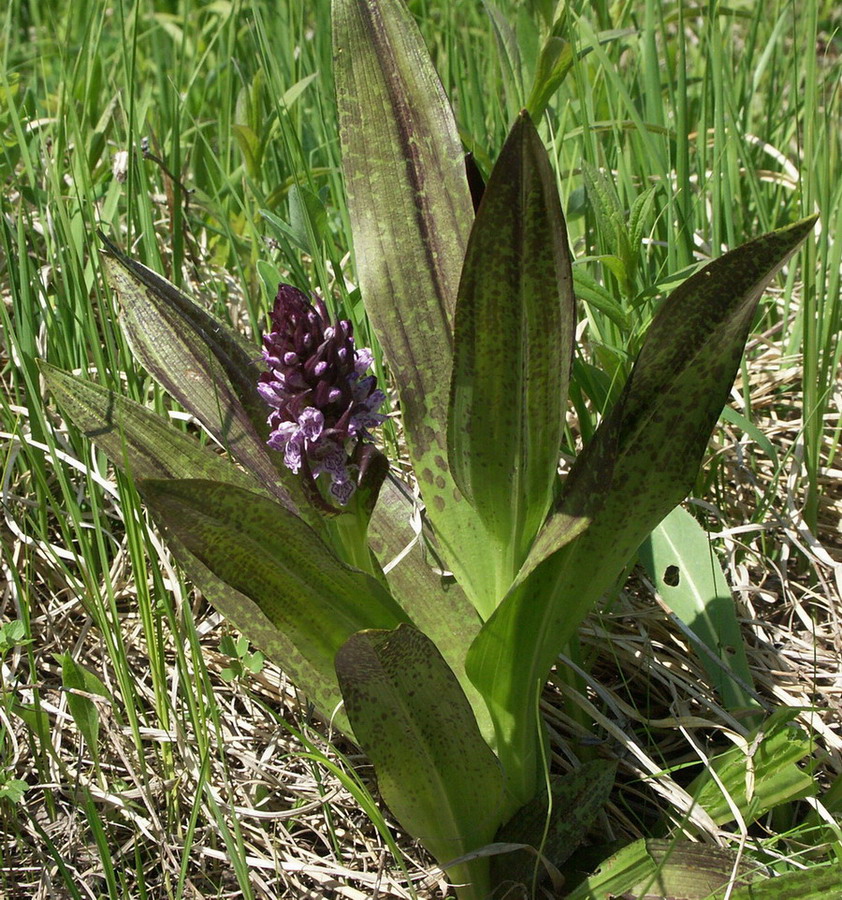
{"x":731,"y":114}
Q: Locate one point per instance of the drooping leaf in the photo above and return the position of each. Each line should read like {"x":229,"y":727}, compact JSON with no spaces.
{"x":271,"y":576}
{"x":515,"y":323}
{"x":135,"y":438}
{"x":434,"y":770}
{"x":639,"y":465}
{"x":680,"y":560}
{"x":411,"y":213}
{"x":205,"y":365}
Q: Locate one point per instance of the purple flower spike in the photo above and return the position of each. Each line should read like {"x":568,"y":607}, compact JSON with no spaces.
{"x":323,"y":404}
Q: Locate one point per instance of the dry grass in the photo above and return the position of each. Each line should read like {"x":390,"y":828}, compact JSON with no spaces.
{"x":292,"y":793}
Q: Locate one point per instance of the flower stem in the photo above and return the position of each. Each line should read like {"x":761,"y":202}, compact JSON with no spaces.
{"x":349,"y":535}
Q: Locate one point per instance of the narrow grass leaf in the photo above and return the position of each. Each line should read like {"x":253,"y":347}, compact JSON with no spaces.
{"x":515,"y":323}
{"x":272,"y":577}
{"x":687,"y":573}
{"x":411,"y":213}
{"x":434,"y":770}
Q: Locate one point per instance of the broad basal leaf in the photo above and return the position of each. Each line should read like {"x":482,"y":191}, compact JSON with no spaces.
{"x":411,"y":213}
{"x":641,"y":462}
{"x":135,"y":438}
{"x":434,"y":770}
{"x":272,"y":576}
{"x":204,"y":365}
{"x":436,"y":605}
{"x":515,"y":323}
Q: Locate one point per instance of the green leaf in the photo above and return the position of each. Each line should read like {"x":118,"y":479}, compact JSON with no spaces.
{"x":680,"y":560}
{"x":639,"y":465}
{"x":13,"y":789}
{"x":577,"y":798}
{"x":661,"y":870}
{"x":638,"y":216}
{"x":272,"y":577}
{"x":12,"y":634}
{"x":411,"y":213}
{"x":307,"y":219}
{"x":434,"y":770}
{"x":595,"y":295}
{"x":813,"y":883}
{"x":437,"y":605}
{"x":508,"y":51}
{"x":206,"y":366}
{"x":143,"y":443}
{"x":78,"y":681}
{"x":729,"y":414}
{"x":293,"y":93}
{"x":515,"y":324}
{"x":554,"y":64}
{"x":760,"y":776}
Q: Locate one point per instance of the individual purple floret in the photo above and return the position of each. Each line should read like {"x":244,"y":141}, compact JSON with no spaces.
{"x":322,"y":403}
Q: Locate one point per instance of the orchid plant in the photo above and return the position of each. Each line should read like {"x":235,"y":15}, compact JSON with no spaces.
{"x":303,"y":537}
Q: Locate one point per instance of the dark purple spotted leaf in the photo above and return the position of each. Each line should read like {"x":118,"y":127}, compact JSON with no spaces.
{"x":515,"y":323}
{"x":640,"y":464}
{"x":205,"y":366}
{"x":434,"y":770}
{"x":411,"y":213}
{"x":146,"y":445}
{"x":438,"y":606}
{"x":272,"y":576}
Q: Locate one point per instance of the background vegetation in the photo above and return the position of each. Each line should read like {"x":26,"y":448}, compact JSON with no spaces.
{"x":144,"y":751}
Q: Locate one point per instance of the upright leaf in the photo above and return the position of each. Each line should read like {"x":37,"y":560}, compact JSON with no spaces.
{"x":79,"y":682}
{"x":272,"y":576}
{"x":434,"y":770}
{"x":554,"y":64}
{"x":515,"y":323}
{"x":411,"y":212}
{"x":641,"y":462}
